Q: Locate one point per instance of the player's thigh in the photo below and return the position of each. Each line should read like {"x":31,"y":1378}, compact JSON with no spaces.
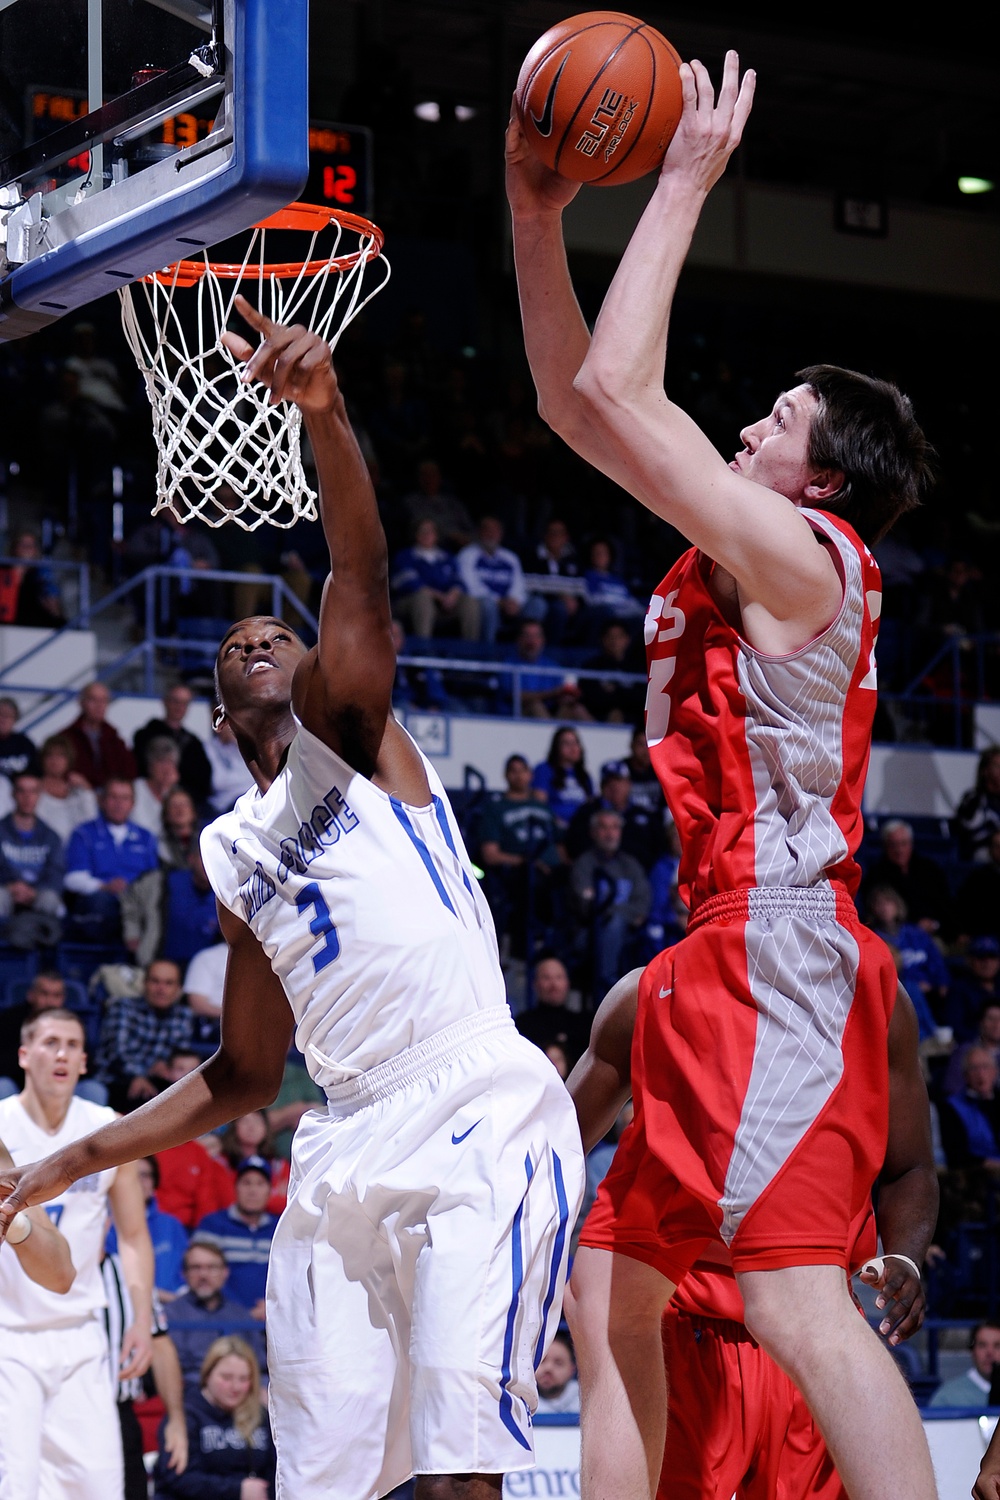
{"x":81,"y":1433}
{"x":22,"y":1402}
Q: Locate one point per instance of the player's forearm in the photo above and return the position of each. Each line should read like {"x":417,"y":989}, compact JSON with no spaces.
{"x":45,"y":1255}
{"x":635,"y":315}
{"x":556,"y":338}
{"x":347,"y":504}
{"x":136,"y":1253}
{"x":907,"y":1212}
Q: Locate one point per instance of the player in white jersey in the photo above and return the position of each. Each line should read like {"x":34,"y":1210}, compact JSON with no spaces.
{"x":417,"y":1273}
{"x":42,"y":1252}
{"x":59,"y":1436}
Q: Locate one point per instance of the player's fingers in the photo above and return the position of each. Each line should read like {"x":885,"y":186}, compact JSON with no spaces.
{"x":253,"y":316}
{"x":237,"y":346}
{"x":297,"y":363}
{"x":703,"y":86}
{"x":730,"y":81}
{"x":743,"y":106}
{"x":689,"y":88}
{"x":261,"y":366}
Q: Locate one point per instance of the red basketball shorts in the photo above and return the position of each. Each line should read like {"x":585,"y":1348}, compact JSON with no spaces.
{"x":760,"y":1085}
{"x":737,"y":1425}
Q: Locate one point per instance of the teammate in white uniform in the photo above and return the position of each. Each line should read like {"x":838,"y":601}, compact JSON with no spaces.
{"x":417,"y":1273}
{"x":41,"y":1250}
{"x":59,"y":1435}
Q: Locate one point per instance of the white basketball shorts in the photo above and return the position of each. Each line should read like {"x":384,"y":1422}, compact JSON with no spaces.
{"x":417,"y":1274}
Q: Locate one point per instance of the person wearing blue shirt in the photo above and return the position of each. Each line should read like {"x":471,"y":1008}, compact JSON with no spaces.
{"x":493,"y":575}
{"x":168,"y":1235}
{"x":608,"y":595}
{"x":103,"y":857}
{"x":427,"y":590}
{"x":202,"y":1313}
{"x":244,"y":1232}
{"x":31,"y":871}
{"x":922,"y":968}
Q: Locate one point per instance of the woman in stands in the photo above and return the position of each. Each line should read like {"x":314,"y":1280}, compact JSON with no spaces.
{"x":230,"y":1450}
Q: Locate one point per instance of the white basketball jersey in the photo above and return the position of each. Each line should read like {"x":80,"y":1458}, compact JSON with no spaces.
{"x":367,"y":908}
{"x":80,"y":1214}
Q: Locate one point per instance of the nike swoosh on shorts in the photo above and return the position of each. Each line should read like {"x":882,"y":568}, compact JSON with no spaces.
{"x":456,"y":1140}
{"x":543,"y":123}
{"x":664,"y":993}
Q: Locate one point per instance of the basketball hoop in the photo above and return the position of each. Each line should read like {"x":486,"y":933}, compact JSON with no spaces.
{"x":223,"y":453}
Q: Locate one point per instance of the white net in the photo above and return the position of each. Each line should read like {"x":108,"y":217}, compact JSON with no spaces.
{"x":223,"y":453}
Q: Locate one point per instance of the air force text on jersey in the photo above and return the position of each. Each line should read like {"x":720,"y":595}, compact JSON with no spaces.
{"x":323,"y":828}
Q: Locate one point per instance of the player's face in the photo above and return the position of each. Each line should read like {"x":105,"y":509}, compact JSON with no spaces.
{"x":776,"y":449}
{"x":986,"y":1351}
{"x":53,"y":1058}
{"x":256,"y":662}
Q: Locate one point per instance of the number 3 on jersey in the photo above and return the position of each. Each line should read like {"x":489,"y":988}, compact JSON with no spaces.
{"x":664,"y":622}
{"x":321,"y":925}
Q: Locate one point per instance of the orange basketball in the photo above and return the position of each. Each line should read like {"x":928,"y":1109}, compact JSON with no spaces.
{"x":599,"y":97}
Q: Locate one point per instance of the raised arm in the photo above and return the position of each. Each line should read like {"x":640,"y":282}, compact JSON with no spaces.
{"x":243,"y":1075}
{"x":908,"y":1183}
{"x":601,"y":1082}
{"x":342,"y":689}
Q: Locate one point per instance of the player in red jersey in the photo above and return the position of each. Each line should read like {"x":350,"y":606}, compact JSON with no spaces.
{"x":759,"y":1063}
{"x":738,"y":1426}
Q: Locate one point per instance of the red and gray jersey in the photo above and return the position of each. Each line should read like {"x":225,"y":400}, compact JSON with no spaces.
{"x":762,"y":758}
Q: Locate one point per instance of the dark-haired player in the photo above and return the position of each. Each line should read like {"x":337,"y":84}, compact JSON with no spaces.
{"x":416,"y":1274}
{"x":760,"y":1064}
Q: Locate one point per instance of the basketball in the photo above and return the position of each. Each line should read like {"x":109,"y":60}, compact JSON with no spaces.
{"x":599,"y":97}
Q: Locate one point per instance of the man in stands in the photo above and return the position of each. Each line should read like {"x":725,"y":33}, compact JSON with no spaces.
{"x":194,"y":767}
{"x":244,"y":1232}
{"x":139,"y":1035}
{"x":202,"y":1313}
{"x":31,"y":871}
{"x":99,"y":752}
{"x":104,"y":856}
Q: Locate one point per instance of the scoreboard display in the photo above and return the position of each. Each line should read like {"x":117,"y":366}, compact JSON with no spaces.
{"x":340,"y":156}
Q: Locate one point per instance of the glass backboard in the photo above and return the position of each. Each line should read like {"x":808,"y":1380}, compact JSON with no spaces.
{"x":133,"y":132}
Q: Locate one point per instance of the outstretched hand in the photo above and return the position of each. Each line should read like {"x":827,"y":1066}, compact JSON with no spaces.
{"x":292,"y":362}
{"x":901,"y":1292}
{"x":532,"y":187}
{"x":709,"y":131}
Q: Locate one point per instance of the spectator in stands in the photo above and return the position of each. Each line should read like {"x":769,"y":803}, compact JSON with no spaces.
{"x":65,"y":800}
{"x":972,"y":1388}
{"x":562,"y":779}
{"x":427,"y":590}
{"x":920,"y":881}
{"x":17,"y":752}
{"x":977,"y":817}
{"x":170,"y":913}
{"x":230,"y":776}
{"x":431,"y":501}
{"x":162,"y":775}
{"x":970,"y":1118}
{"x":611,"y":895}
{"x":31,"y":872}
{"x":416,"y":687}
{"x":987,"y":1036}
{"x":544,"y":695}
{"x":99,"y":377}
{"x":555,"y":557}
{"x":558,"y":1387}
{"x":551,"y":1021}
{"x":244,"y":1232}
{"x":250,"y":1136}
{"x":492,"y":574}
{"x":104,"y":856}
{"x":99,"y":752}
{"x":975,"y":986}
{"x":47,"y":991}
{"x":204,"y":981}
{"x":181,"y":829}
{"x":608,"y":596}
{"x":202,"y":1313}
{"x":195,"y":771}
{"x":168,"y":1235}
{"x":977,"y":909}
{"x":29,"y":593}
{"x":231,"y":1453}
{"x":919,"y":961}
{"x":140,"y":1033}
{"x":642,"y":833}
{"x":193,"y":1183}
{"x":518,"y":852}
{"x":667,"y":920}
{"x":605,"y":699}
{"x":646,"y":789}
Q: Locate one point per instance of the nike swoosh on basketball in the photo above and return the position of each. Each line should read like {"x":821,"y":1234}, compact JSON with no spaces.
{"x":456,"y":1140}
{"x":543,"y":122}
{"x":665,"y":993}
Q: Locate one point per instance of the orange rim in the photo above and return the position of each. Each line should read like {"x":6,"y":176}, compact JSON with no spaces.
{"x":307,"y":218}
